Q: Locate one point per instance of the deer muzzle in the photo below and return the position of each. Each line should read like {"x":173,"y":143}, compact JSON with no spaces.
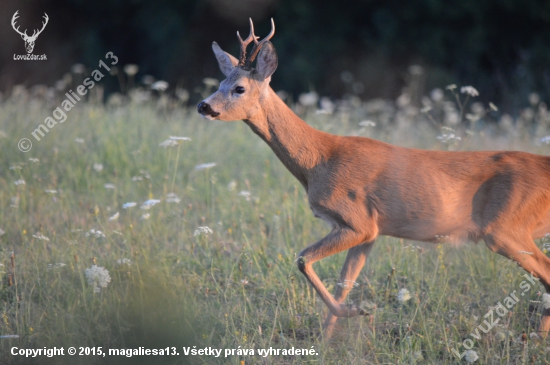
{"x":206,"y":110}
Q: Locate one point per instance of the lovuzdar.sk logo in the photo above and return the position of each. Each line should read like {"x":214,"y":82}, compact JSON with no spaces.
{"x":29,"y":40}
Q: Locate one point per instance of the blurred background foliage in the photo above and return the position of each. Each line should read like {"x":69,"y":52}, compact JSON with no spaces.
{"x":336,"y":48}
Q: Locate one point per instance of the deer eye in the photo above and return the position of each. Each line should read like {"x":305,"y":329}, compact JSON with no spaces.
{"x":239,"y":90}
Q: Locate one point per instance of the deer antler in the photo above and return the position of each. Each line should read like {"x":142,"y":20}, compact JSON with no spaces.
{"x":258,"y":45}
{"x":36,"y":33}
{"x":245,"y":43}
{"x":13,"y":19}
{"x":243,"y":61}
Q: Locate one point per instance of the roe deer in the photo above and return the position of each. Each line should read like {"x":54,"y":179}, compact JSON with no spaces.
{"x":365,"y":188}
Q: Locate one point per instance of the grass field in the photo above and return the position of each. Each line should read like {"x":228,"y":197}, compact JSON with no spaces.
{"x":236,"y":284}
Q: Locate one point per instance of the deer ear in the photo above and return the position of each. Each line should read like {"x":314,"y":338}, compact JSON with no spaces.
{"x":225,"y":60}
{"x":267,"y":60}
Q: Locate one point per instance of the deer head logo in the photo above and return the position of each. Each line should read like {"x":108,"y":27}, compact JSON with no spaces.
{"x":29,"y":40}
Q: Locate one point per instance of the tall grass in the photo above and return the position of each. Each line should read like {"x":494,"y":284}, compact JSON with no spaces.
{"x":239,"y":285}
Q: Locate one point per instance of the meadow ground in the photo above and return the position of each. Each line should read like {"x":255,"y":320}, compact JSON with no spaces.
{"x":233,"y":285}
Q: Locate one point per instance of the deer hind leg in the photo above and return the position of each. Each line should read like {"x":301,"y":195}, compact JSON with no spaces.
{"x":338,"y":240}
{"x":524,"y":251}
{"x":355,"y":260}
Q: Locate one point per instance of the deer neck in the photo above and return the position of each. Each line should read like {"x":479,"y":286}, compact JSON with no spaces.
{"x":299,"y":146}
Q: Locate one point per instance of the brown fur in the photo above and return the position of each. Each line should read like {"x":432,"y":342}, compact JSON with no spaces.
{"x":365,"y":188}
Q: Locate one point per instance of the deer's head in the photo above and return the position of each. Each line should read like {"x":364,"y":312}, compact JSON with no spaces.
{"x":29,"y":40}
{"x":240,"y":93}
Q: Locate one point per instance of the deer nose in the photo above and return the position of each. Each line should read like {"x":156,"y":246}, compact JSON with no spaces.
{"x":205,"y":109}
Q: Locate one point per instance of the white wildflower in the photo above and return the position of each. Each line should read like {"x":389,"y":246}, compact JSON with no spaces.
{"x":129,"y":205}
{"x":403,"y":295}
{"x":131,"y":69}
{"x":160,"y":85}
{"x":175,"y":138}
{"x":367,"y":123}
{"x":203,"y":230}
{"x":246,"y":194}
{"x":149,"y":203}
{"x":79,"y":140}
{"x":114,"y":217}
{"x":232,"y":185}
{"x":57,"y":265}
{"x":145,"y":174}
{"x":32,"y":159}
{"x":16,"y":167}
{"x":546,"y":301}
{"x":348,"y":284}
{"x":451,"y":117}
{"x":308,"y":99}
{"x":124,"y":261}
{"x":50,"y":191}
{"x":137,"y":178}
{"x":20,"y":182}
{"x":445,"y":138}
{"x":109,"y":186}
{"x":471,"y":356}
{"x":205,"y":166}
{"x":78,"y":68}
{"x":98,"y":277}
{"x":470,"y":90}
{"x":40,"y":237}
{"x":436,"y":95}
{"x":169,"y":143}
{"x":534,"y":99}
{"x":145,"y":216}
{"x":182,"y":94}
{"x":327,"y":106}
{"x":98,"y":167}
{"x":545,"y":140}
{"x":172,"y":198}
{"x":95,"y":233}
{"x":210,"y":81}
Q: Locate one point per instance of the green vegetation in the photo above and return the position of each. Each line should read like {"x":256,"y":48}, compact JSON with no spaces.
{"x":239,"y":285}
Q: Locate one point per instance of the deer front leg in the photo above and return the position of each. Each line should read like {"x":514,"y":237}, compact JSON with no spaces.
{"x":355,"y":260}
{"x":338,"y":240}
